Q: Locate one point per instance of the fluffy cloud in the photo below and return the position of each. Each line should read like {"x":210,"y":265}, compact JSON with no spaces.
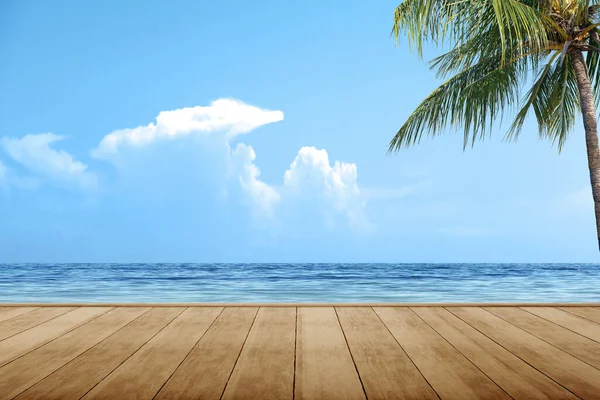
{"x":262,"y":196}
{"x":310,"y":180}
{"x":224,"y":115}
{"x":34,"y":153}
{"x":187,"y":154}
{"x":312,"y":175}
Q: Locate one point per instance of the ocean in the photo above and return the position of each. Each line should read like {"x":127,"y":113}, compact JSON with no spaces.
{"x":305,"y":283}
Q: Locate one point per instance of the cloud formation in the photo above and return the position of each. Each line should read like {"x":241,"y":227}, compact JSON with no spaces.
{"x":263,"y":197}
{"x":310,"y":179}
{"x":223,"y":115}
{"x":311,"y":184}
{"x":312,"y":175}
{"x":35,"y":153}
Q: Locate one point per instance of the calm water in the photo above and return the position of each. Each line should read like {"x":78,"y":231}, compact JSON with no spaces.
{"x":299,"y":282}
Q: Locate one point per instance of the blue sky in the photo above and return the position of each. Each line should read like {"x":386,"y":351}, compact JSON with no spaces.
{"x":153,"y":131}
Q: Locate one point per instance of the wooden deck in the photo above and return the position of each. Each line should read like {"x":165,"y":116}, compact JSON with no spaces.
{"x":302,"y":352}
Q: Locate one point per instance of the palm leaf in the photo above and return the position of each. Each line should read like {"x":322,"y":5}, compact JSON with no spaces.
{"x":472,"y":99}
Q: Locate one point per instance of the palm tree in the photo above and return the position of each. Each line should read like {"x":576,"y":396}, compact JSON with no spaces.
{"x":497,"y":47}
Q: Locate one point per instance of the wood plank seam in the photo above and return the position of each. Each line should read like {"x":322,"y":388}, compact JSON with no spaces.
{"x":188,"y":353}
{"x":556,"y":347}
{"x":562,"y":326}
{"x":5,"y":308}
{"x":349,"y":351}
{"x":507,"y":340}
{"x":460,"y":352}
{"x":240,"y":353}
{"x":80,"y":355}
{"x":42,"y":322}
{"x":405,"y":352}
{"x":132,"y":354}
{"x":62,"y":334}
{"x":516,"y":355}
{"x":566,"y":309}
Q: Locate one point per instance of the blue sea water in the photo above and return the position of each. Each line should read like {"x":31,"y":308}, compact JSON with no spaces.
{"x":299,"y":283}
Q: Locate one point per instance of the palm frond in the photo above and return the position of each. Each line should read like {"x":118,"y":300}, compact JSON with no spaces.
{"x":495,"y":47}
{"x":554,"y":99}
{"x":456,"y":20}
{"x":472,"y":99}
{"x":593,"y":63}
{"x":532,"y":99}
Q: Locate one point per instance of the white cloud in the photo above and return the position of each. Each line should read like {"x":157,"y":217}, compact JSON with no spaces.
{"x":263,"y":197}
{"x":229,"y":115}
{"x":34,"y":153}
{"x":311,"y":181}
{"x":311,"y":174}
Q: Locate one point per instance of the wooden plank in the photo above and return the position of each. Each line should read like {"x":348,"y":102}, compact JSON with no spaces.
{"x":33,"y":338}
{"x":593,"y":314}
{"x":265,"y":368}
{"x":385,"y":369}
{"x":572,"y":322}
{"x":324,"y":366}
{"x":578,"y":346}
{"x":450,"y":374}
{"x":77,"y":377}
{"x":572,"y":373}
{"x":205,"y":371}
{"x":7,"y":313}
{"x":516,"y":377}
{"x":29,"y":320}
{"x":145,"y":372}
{"x":24,"y":372}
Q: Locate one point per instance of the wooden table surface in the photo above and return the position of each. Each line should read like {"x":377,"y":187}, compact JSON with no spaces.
{"x":299,"y":351}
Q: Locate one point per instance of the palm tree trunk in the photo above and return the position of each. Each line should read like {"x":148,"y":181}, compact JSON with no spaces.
{"x":588,"y":110}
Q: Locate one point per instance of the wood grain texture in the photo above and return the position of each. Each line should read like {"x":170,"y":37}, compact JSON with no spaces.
{"x":29,"y":320}
{"x":265,"y":368}
{"x":324,"y":366}
{"x":592,"y":314}
{"x":385,"y":369}
{"x":33,"y":338}
{"x":450,"y":374}
{"x":145,"y":372}
{"x":206,"y":370}
{"x":578,"y":346}
{"x":308,"y":352}
{"x":76,"y":378}
{"x":25,"y":371}
{"x":572,"y":322}
{"x":519,"y":379}
{"x":11,"y":312}
{"x":580,"y":378}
